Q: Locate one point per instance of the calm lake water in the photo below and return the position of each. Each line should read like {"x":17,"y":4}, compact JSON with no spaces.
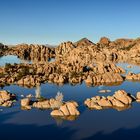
{"x":90,"y":125}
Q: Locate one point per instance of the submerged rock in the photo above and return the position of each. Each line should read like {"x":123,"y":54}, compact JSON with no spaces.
{"x":104,"y":91}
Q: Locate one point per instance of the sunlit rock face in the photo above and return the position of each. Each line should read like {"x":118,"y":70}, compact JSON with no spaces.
{"x":6,"y":98}
{"x":36,"y":53}
{"x":67,"y":109}
{"x":63,"y":49}
{"x":74,"y":62}
{"x":120,"y":99}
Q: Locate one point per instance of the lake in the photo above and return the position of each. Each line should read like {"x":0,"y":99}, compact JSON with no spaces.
{"x":90,"y":125}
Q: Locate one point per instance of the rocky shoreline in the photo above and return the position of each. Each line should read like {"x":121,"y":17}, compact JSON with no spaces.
{"x":74,"y":63}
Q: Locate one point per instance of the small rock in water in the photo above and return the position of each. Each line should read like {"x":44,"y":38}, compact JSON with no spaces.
{"x":22,"y":95}
{"x":129,"y":66}
{"x":25,"y":104}
{"x":29,"y":96}
{"x":104,"y":91}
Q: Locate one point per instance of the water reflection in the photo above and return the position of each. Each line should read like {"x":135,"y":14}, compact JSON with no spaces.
{"x":91,"y":124}
{"x":12,"y":59}
{"x":37,"y":92}
{"x":133,"y":68}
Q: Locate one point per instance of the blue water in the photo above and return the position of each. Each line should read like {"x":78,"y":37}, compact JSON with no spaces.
{"x":11,"y":59}
{"x":105,"y":124}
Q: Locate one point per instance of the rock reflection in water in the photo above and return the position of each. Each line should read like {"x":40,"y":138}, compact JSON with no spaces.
{"x":37,"y":92}
{"x":59,"y":120}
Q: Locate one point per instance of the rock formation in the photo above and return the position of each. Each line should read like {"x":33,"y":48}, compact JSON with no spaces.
{"x":6,"y":98}
{"x":138,"y":97}
{"x":67,"y":109}
{"x":47,"y":104}
{"x":133,"y":76}
{"x":120,"y":99}
{"x":25,"y":103}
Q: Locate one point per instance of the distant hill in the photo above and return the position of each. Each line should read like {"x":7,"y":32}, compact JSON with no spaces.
{"x":83,"y":42}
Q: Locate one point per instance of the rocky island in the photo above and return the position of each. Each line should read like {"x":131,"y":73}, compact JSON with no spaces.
{"x":73,"y":63}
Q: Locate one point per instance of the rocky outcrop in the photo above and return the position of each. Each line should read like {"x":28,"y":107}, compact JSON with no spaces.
{"x":74,"y":63}
{"x":138,"y":97}
{"x":63,"y":49}
{"x":67,"y":109}
{"x":104,"y":79}
{"x":133,"y":76}
{"x":25,"y":103}
{"x":120,"y":99}
{"x":36,"y":53}
{"x":104,"y":42}
{"x":47,"y":104}
{"x":30,"y":80}
{"x":101,"y":68}
{"x":6,"y":98}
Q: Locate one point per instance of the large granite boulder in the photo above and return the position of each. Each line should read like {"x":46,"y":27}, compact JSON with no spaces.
{"x":6,"y":98}
{"x":67,"y":109}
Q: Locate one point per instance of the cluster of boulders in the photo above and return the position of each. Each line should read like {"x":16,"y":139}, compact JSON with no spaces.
{"x":74,"y":62}
{"x":35,"y":74}
{"x":64,"y":48}
{"x":101,"y":67}
{"x":6,"y":98}
{"x":59,"y":108}
{"x":47,"y":104}
{"x":30,"y":80}
{"x":120,"y":99}
{"x":133,"y":76}
{"x":84,"y":48}
{"x":67,"y":109}
{"x":104,"y":79}
{"x":36,"y":53}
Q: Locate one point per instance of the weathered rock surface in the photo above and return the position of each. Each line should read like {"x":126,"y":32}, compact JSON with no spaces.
{"x":36,"y":53}
{"x":67,"y":109}
{"x":104,"y":79}
{"x":74,"y":62}
{"x":119,"y":99}
{"x":6,"y":98}
{"x":25,"y":103}
{"x":48,"y":104}
{"x":138,"y":97}
{"x":133,"y":76}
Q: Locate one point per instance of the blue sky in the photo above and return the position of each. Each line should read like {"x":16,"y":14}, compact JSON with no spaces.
{"x":55,"y":21}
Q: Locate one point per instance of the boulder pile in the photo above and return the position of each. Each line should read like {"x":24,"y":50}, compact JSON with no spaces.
{"x":67,"y":109}
{"x":6,"y":98}
{"x":119,"y":99}
{"x":133,"y":76}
